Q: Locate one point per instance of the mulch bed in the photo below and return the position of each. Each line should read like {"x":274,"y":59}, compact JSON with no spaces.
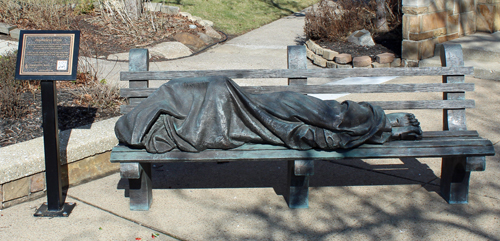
{"x":98,"y":38}
{"x":387,"y":43}
{"x":101,"y":39}
{"x":70,"y":115}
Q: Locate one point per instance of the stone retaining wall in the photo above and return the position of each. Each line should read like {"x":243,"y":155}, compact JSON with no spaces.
{"x":430,"y":22}
{"x":328,"y":58}
{"x":488,"y":15}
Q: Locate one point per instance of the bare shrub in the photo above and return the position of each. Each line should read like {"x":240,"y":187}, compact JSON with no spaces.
{"x":11,"y":101}
{"x":149,"y":28}
{"x":37,"y":14}
{"x":103,"y":29}
{"x":394,"y":13}
{"x":95,"y":94}
{"x":98,"y":95}
{"x":334,"y":21}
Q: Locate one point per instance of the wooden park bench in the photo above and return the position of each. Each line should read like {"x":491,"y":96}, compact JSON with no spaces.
{"x":461,"y":150}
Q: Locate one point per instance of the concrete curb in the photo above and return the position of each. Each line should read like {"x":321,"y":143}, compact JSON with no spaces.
{"x":84,"y":156}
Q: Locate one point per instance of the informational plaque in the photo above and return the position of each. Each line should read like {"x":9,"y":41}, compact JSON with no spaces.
{"x":47,"y":54}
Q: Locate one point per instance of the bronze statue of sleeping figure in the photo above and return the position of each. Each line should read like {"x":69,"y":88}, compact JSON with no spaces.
{"x":193,"y":114}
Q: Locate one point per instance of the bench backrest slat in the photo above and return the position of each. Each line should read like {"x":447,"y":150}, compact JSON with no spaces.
{"x":330,"y":89}
{"x":395,"y":105}
{"x":424,"y":104}
{"x":297,"y":73}
{"x":453,"y":87}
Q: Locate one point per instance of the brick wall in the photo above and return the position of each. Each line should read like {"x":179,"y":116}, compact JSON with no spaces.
{"x":488,"y":15}
{"x":430,"y":22}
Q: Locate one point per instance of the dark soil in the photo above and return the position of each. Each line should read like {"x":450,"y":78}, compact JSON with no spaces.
{"x":70,"y":115}
{"x":387,"y":43}
{"x":355,"y":50}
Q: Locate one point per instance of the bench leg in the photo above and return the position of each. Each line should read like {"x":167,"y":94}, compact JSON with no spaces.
{"x":297,"y":195}
{"x":455,"y":180}
{"x":140,"y":189}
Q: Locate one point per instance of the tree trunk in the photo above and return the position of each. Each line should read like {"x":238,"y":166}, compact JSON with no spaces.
{"x":133,"y":8}
{"x":381,"y":22}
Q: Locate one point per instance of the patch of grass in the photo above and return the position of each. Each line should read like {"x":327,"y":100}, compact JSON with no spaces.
{"x":236,"y":17}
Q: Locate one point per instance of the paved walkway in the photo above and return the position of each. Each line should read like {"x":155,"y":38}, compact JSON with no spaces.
{"x":481,"y":50}
{"x":349,"y":200}
{"x":7,"y":46}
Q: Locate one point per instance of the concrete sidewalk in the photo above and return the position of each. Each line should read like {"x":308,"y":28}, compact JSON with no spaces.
{"x":349,"y":200}
{"x":481,"y":50}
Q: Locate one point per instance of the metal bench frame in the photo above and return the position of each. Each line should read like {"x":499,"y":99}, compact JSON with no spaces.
{"x":462,"y":151}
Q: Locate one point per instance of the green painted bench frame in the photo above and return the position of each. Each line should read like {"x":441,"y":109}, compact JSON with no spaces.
{"x":462,"y":151}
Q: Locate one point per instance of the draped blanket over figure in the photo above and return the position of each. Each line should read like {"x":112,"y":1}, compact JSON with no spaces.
{"x":193,"y":114}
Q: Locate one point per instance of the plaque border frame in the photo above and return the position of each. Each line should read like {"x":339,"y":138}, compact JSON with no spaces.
{"x":49,"y":75}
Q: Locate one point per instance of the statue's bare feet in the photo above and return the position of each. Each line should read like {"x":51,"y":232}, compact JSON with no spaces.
{"x":404,"y":126}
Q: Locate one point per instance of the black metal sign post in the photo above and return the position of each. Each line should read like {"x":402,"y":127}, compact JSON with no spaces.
{"x":49,"y":56}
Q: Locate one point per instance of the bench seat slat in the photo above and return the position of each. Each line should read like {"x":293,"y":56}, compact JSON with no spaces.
{"x":427,"y":136}
{"x":392,"y":105}
{"x":437,"y":147}
{"x":441,"y":142}
{"x":331,"y":89}
{"x":297,"y":73}
{"x":259,"y":155}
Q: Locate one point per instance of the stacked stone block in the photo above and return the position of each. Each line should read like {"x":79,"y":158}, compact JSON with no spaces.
{"x":331,"y":59}
{"x":430,"y":22}
{"x":10,"y":30}
{"x":488,"y":15}
{"x":33,"y":186}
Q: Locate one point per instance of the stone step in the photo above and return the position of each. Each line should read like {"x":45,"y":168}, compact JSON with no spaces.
{"x":489,"y":70}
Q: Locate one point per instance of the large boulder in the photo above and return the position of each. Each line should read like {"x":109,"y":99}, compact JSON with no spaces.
{"x":190,"y":40}
{"x":361,"y":37}
{"x":170,"y":50}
